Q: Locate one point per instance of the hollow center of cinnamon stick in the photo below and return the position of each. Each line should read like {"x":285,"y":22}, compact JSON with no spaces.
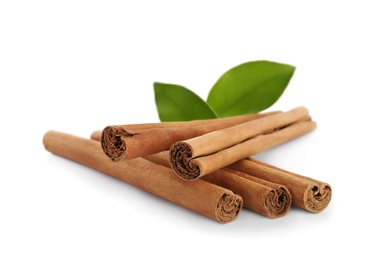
{"x":228,"y":206}
{"x":112,"y":143}
{"x":278,"y":202}
{"x":181,"y":161}
{"x":318,"y":198}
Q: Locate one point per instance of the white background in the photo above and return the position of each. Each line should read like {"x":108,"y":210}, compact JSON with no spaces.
{"x":78,"y":66}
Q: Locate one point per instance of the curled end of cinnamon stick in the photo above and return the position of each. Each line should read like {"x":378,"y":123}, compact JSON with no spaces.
{"x":317,"y":198}
{"x":112,"y":143}
{"x":278,"y":202}
{"x":228,"y":207}
{"x":180,"y":158}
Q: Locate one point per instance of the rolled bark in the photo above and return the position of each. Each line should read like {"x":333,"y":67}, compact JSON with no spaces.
{"x":205,"y":198}
{"x":124,"y":142}
{"x":204,"y":154}
{"x":307,"y":193}
{"x":267,"y":198}
{"x":264,"y":197}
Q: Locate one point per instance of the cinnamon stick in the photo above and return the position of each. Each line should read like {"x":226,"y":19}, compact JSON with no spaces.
{"x":307,"y":193}
{"x":204,"y":154}
{"x":123,"y":142}
{"x":267,"y":198}
{"x":264,"y":197}
{"x":205,"y":198}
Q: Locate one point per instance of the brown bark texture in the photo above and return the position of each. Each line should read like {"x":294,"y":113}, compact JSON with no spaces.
{"x":123,"y":142}
{"x":264,"y":197}
{"x":202,"y":197}
{"x":196,"y":157}
{"x":307,"y":193}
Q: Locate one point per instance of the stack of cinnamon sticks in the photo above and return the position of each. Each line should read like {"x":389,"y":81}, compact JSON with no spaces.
{"x":204,"y":165}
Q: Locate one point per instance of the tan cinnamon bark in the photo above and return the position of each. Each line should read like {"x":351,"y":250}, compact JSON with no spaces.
{"x":123,"y":142}
{"x":307,"y":193}
{"x":269,"y":199}
{"x":204,"y":154}
{"x":264,"y":197}
{"x":205,"y":198}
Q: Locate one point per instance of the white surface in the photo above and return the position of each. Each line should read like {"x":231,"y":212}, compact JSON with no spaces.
{"x":77,"y":66}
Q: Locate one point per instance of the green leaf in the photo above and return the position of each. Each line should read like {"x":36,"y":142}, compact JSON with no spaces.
{"x":176,"y":103}
{"x":249,"y":88}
